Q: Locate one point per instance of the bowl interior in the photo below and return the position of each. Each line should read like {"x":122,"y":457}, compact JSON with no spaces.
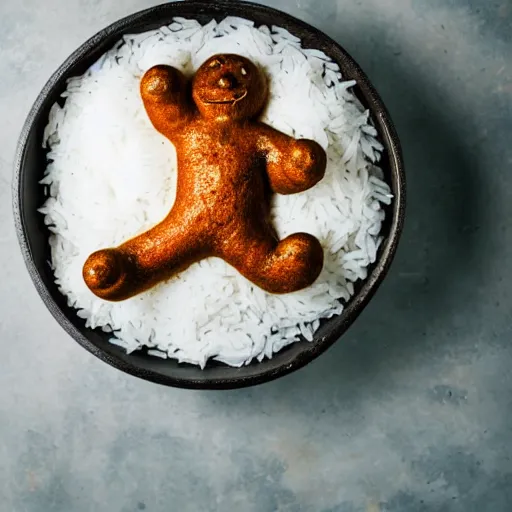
{"x":33,"y":234}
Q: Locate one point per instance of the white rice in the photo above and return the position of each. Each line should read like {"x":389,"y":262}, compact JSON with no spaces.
{"x":111,"y":176}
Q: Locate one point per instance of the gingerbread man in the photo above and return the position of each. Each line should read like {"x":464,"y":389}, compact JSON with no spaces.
{"x":228,"y":166}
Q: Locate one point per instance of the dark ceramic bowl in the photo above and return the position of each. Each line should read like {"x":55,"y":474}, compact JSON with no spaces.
{"x":33,"y":235}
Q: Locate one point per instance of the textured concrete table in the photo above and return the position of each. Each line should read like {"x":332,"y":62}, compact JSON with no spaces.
{"x":410,"y":412}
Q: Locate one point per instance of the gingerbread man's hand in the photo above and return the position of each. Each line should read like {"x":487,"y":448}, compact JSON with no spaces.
{"x":307,"y":164}
{"x":164,"y":93}
{"x":292,"y":165}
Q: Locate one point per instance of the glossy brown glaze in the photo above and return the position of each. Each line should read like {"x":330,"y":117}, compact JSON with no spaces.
{"x":228,"y":166}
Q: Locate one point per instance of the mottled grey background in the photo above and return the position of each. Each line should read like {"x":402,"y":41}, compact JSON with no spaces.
{"x":410,"y":412}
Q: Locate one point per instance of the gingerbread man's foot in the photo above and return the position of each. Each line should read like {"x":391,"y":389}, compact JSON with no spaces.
{"x":294,"y":264}
{"x":104,"y":272}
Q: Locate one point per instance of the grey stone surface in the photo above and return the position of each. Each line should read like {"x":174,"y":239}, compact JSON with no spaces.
{"x":410,"y":412}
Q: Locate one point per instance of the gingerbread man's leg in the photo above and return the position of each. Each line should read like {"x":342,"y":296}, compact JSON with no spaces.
{"x":282,"y":266}
{"x":142,"y":262}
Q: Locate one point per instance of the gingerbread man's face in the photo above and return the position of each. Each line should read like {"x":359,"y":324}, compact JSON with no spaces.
{"x":229,"y":87}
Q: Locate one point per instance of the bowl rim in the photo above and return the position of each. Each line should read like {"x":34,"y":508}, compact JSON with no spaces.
{"x":356,"y":304}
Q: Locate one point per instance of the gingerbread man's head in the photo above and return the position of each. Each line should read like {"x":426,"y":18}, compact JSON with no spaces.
{"x":229,"y":87}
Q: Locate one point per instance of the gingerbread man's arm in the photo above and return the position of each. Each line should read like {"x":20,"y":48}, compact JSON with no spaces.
{"x":293,"y":165}
{"x":164,"y":93}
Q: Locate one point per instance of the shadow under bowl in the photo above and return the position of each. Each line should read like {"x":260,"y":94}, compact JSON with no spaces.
{"x":33,"y":234}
